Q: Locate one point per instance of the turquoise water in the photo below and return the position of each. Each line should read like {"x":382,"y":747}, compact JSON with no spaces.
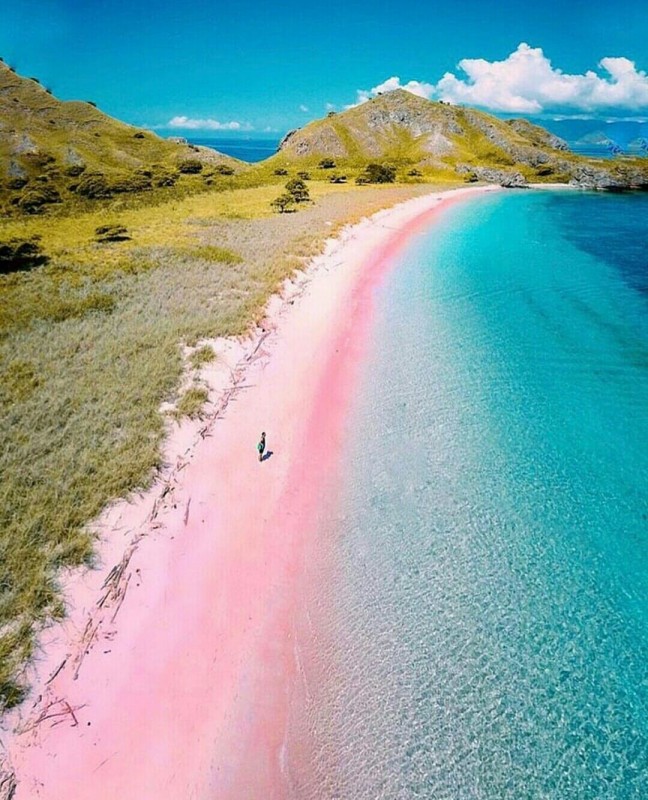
{"x":483,"y":631}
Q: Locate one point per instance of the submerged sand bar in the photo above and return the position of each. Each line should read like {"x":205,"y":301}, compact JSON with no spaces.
{"x":171,"y":677}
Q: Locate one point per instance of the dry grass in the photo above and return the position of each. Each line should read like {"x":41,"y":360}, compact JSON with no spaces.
{"x":91,"y":345}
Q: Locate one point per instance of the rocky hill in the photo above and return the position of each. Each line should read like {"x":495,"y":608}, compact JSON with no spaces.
{"x":432,"y":137}
{"x":55,"y":152}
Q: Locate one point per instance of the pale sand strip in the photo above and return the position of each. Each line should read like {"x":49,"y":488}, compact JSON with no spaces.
{"x":170,"y":677}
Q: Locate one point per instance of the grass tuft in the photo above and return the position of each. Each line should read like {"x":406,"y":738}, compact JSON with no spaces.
{"x":191,"y":403}
{"x":203,"y":355}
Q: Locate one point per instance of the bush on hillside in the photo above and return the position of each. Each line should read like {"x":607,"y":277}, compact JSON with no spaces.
{"x":17,"y":183}
{"x":138,"y":135}
{"x":33,"y":200}
{"x":377,"y":173}
{"x":305,"y":176}
{"x":280,"y":171}
{"x":327,"y":163}
{"x":190,"y":166}
{"x":283,"y":202}
{"x":20,"y":254}
{"x":224,"y":169}
{"x":135,"y":182}
{"x":298,"y":190}
{"x":335,"y":178}
{"x":94,"y":185}
{"x":165,"y":178}
{"x":415,"y":173}
{"x":39,"y":159}
{"x":111,"y":233}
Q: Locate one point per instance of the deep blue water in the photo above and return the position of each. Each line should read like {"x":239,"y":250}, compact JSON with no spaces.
{"x":484,"y":621}
{"x":251,"y":150}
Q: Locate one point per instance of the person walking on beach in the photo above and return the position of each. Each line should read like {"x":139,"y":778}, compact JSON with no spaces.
{"x":261,"y":446}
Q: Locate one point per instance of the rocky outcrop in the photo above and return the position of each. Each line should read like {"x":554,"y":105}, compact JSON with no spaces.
{"x":509,"y":179}
{"x":615,"y":178}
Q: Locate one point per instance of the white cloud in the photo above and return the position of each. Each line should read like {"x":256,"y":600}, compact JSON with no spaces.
{"x":304,"y":108}
{"x":526,"y":82}
{"x":188,"y":123}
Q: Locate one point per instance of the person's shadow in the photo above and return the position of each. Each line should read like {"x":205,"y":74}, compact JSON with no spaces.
{"x":266,"y":455}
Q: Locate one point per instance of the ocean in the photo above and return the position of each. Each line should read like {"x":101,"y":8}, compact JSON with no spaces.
{"x":251,"y":150}
{"x":478,"y":623}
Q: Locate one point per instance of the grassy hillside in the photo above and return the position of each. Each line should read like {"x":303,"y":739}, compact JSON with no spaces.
{"x":55,"y":154}
{"x":424,"y":139}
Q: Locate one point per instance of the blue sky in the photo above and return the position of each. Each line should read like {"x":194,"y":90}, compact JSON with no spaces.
{"x":257,"y":67}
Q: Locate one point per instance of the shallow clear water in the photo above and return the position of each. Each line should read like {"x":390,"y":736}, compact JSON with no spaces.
{"x":483,"y":627}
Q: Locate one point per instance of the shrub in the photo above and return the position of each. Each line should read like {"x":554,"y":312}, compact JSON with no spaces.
{"x":224,"y":169}
{"x":90,"y":103}
{"x":335,"y":178}
{"x":165,"y":179}
{"x":379,"y":173}
{"x":327,"y":163}
{"x":39,"y":159}
{"x":33,"y":200}
{"x":415,"y":173}
{"x":130,"y":183}
{"x":283,"y":202}
{"x":19,"y":254}
{"x":95,"y":185}
{"x":298,"y":190}
{"x":111,"y":233}
{"x":545,"y":170}
{"x":305,"y":176}
{"x":280,"y":171}
{"x":17,"y":183}
{"x":138,"y":135}
{"x":190,"y":166}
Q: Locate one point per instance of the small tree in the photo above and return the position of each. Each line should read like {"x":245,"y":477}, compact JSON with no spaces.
{"x":283,"y":202}
{"x":379,"y":173}
{"x":298,"y":190}
{"x":327,"y":163}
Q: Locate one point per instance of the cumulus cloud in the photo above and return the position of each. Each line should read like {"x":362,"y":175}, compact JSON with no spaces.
{"x":526,"y":82}
{"x":191,"y":124}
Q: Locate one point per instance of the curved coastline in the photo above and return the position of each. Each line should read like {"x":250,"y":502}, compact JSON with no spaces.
{"x":178,"y":686}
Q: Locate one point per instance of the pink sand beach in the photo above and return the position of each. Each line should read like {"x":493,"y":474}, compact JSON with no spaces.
{"x":172,"y":675}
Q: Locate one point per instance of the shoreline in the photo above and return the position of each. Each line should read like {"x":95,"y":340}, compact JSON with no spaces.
{"x":196,"y":613}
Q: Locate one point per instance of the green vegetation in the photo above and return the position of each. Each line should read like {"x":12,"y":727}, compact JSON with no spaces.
{"x":377,"y":173}
{"x":203,"y":355}
{"x":283,"y":202}
{"x":298,"y":190}
{"x":191,"y":402}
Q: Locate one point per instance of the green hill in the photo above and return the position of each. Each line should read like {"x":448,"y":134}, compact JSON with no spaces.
{"x":54,"y":152}
{"x":424,"y":138}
